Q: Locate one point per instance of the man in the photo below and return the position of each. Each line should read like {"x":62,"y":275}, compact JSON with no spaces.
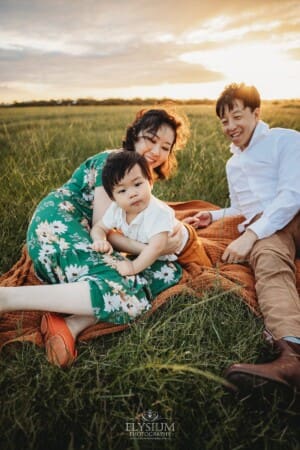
{"x":264,"y":184}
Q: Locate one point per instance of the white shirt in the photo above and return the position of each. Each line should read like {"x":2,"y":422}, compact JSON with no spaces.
{"x":265,"y":177}
{"x":156,"y":218}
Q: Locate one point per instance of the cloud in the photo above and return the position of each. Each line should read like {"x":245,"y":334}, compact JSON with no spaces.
{"x":115,"y":44}
{"x":138,"y":64}
{"x":118,"y":20}
{"x":295,"y":53}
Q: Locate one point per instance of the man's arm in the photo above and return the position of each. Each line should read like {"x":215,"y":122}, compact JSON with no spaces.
{"x":200,"y":220}
{"x":286,"y":203}
{"x":238,"y":250}
{"x":204,"y":218}
{"x":147,"y":257}
{"x":233,"y":209}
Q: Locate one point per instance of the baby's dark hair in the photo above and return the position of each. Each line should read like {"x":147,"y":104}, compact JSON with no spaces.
{"x":248,"y":94}
{"x":118,"y":164}
{"x":151,"y":120}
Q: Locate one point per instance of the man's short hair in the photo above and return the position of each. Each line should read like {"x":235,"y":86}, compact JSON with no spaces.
{"x":248,"y":94}
{"x":118,"y":164}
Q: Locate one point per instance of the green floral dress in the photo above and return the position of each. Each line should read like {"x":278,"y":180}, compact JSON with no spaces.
{"x":59,"y":243}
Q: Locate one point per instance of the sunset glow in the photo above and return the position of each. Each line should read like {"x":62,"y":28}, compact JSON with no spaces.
{"x":101,"y":49}
{"x":253,"y":63}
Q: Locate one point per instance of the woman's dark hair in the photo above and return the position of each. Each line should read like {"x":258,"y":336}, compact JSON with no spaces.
{"x":248,"y":94}
{"x":151,"y":120}
{"x":118,"y":164}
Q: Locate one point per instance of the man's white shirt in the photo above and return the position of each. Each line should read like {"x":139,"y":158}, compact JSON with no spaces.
{"x":264,"y":178}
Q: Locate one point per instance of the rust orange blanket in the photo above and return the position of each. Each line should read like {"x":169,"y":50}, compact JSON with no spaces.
{"x":25,"y":325}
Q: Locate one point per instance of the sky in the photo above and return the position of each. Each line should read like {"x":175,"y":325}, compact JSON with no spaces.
{"x":182,"y":49}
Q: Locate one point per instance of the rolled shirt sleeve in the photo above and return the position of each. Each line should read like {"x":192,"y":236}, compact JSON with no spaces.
{"x":286,"y":203}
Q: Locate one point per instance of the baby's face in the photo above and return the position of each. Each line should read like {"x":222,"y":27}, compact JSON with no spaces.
{"x":133,"y":192}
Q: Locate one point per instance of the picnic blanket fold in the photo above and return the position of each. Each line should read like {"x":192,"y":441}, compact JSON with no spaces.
{"x":25,"y":325}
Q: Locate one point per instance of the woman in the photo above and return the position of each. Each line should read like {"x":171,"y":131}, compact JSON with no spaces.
{"x":80,"y":281}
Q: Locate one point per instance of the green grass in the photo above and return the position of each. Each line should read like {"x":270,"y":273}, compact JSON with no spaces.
{"x":172,"y":362}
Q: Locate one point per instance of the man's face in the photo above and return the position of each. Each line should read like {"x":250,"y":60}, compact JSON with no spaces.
{"x":239,"y":123}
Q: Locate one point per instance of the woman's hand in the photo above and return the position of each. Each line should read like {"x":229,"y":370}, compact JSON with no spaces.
{"x":174,"y":240}
{"x":200,"y":220}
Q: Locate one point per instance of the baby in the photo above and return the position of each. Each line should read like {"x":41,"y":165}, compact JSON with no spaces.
{"x":127,"y":180}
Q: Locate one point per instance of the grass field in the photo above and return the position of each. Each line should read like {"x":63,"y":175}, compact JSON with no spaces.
{"x":170,"y":363}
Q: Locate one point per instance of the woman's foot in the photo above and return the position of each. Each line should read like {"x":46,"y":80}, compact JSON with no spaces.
{"x":58,"y":339}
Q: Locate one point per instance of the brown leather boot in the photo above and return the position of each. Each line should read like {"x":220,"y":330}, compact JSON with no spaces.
{"x":284,"y":370}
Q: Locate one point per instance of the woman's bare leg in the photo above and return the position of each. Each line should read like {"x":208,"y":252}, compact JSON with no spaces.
{"x":77,"y":324}
{"x":68,"y":298}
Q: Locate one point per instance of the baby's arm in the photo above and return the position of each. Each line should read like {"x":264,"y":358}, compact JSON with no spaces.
{"x":147,"y":257}
{"x":99,"y":234}
{"x":125,"y":244}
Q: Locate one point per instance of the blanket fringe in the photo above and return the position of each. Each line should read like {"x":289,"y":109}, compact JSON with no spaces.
{"x":24,"y":326}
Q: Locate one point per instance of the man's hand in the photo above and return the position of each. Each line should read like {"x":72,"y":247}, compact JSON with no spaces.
{"x":200,"y":220}
{"x":125,"y":268}
{"x":239,"y":249}
{"x":102,"y":246}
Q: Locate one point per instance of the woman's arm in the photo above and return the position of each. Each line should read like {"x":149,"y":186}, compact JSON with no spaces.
{"x":147,"y":257}
{"x":174,"y":240}
{"x":117,"y":240}
{"x":127,"y":245}
{"x":101,"y":203}
{"x":124,"y":244}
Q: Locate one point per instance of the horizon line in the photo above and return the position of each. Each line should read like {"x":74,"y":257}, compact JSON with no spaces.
{"x":139,"y":100}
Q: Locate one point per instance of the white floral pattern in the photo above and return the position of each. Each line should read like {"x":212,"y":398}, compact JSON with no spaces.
{"x":64,"y":192}
{"x":166,"y":273}
{"x":74,"y":272}
{"x":59,"y":243}
{"x":60,"y":274}
{"x":90,"y":177}
{"x":67,"y":206}
{"x":58,"y":227}
{"x":112,"y":302}
{"x":84,"y":246}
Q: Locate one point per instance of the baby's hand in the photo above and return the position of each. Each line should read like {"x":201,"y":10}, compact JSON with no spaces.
{"x":200,"y":220}
{"x":125,"y":267}
{"x":102,"y":246}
